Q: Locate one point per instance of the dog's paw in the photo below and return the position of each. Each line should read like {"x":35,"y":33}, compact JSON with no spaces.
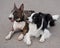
{"x":42,"y":40}
{"x":7,"y":37}
{"x":21,"y":37}
{"x":28,"y":42}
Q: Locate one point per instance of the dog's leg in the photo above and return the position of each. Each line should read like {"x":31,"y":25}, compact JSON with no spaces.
{"x":10,"y":34}
{"x":45,"y":35}
{"x":27,"y":39}
{"x":22,"y":34}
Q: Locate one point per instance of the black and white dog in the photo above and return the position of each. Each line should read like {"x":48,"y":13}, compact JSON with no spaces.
{"x":38,"y":25}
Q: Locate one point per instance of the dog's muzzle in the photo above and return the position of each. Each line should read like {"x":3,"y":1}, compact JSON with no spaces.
{"x":28,"y":21}
{"x":11,"y":19}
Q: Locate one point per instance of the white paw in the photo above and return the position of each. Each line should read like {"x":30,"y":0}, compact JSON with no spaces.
{"x":20,"y":37}
{"x":28,"y":42}
{"x":42,"y":40}
{"x":7,"y":37}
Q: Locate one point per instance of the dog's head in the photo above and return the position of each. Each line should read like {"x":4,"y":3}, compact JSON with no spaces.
{"x":35,"y":17}
{"x":17,"y":14}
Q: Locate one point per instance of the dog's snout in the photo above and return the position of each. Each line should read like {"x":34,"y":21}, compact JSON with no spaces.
{"x":10,"y":18}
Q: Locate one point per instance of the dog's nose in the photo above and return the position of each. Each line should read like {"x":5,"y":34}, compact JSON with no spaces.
{"x":10,"y":18}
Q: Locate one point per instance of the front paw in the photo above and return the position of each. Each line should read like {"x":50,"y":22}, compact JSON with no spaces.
{"x":28,"y":42}
{"x":7,"y":37}
{"x":42,"y":40}
{"x":21,"y":37}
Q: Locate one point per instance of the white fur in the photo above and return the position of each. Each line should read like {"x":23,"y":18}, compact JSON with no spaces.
{"x":18,"y":25}
{"x":48,"y":24}
{"x":33,"y":31}
{"x":55,"y":17}
{"x":20,"y":37}
{"x":45,"y":35}
{"x":9,"y":35}
{"x":11,"y":15}
{"x":30,"y":18}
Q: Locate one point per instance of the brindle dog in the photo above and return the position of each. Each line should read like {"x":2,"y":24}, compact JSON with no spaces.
{"x":19,"y":16}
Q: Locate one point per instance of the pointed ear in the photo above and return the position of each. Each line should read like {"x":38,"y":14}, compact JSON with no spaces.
{"x":15,"y":8}
{"x":21,"y":7}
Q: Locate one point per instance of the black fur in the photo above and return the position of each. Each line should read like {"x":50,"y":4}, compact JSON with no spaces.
{"x":37,"y":19}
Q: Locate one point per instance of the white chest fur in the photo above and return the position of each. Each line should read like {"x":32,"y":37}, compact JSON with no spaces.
{"x":32,"y":27}
{"x":33,"y":31}
{"x":18,"y":25}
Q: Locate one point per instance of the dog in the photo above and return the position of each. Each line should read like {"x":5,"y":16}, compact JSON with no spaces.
{"x":38,"y":26}
{"x":18,"y":17}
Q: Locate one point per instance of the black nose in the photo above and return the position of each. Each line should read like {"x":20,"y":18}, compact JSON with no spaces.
{"x":10,"y":18}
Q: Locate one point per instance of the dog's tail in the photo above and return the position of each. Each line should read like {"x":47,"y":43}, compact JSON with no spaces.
{"x":55,"y":17}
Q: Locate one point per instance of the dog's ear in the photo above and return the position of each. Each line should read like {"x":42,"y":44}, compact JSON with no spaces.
{"x":40,"y":13}
{"x":21,"y":7}
{"x":15,"y":7}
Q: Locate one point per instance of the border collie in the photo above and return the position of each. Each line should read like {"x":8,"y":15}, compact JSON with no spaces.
{"x":38,"y":25}
{"x":18,"y":17}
